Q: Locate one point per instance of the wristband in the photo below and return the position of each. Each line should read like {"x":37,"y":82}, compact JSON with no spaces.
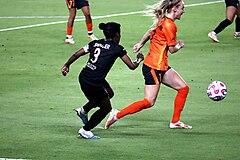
{"x":138,"y":60}
{"x":177,"y":46}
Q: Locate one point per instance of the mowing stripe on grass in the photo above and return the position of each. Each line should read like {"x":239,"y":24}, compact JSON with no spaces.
{"x":82,"y":19}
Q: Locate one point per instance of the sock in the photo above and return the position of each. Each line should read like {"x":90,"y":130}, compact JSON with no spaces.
{"x":88,"y":106}
{"x":133,"y":108}
{"x":69,"y":30}
{"x":179,"y":103}
{"x":89,"y":28}
{"x":237,"y":22}
{"x":222,"y":26}
{"x":69,"y":36}
{"x":95,"y":119}
{"x":83,"y":111}
{"x":99,"y":115}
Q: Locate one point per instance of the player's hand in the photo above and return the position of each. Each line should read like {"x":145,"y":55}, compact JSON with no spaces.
{"x":65,"y":70}
{"x":137,"y":47}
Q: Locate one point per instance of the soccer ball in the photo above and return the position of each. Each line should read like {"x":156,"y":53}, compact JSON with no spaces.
{"x":217,"y":91}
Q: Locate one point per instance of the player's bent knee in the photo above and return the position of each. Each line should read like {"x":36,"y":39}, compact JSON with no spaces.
{"x":110,"y":94}
{"x":148,"y":103}
{"x":184,"y":90}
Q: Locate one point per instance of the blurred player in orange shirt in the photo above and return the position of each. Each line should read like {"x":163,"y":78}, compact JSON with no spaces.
{"x":155,"y":68}
{"x":73,"y":6}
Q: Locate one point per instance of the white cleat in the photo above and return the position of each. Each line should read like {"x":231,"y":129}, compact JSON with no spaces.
{"x":179,"y":124}
{"x":213,"y":36}
{"x":112,"y":118}
{"x":92,"y":37}
{"x":69,"y":40}
{"x":82,"y":116}
{"x":87,"y":134}
{"x":236,"y":34}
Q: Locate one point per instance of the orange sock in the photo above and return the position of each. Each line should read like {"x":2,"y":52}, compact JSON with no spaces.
{"x":179,"y":103}
{"x":133,"y":108}
{"x":89,"y":27}
{"x":69,"y":30}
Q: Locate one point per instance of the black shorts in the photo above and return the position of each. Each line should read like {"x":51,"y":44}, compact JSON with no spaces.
{"x":94,"y":93}
{"x":77,"y":3}
{"x":153,"y":76}
{"x":234,"y":3}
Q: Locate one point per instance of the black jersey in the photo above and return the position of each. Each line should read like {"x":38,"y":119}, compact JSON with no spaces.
{"x":102,"y":56}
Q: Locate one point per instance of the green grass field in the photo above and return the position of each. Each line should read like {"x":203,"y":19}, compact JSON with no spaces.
{"x":36,"y":101}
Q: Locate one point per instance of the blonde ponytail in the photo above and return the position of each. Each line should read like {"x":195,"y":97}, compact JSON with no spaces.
{"x":160,"y":9}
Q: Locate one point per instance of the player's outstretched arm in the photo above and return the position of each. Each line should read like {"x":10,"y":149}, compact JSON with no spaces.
{"x":133,"y":64}
{"x":73,"y":58}
{"x":144,"y":39}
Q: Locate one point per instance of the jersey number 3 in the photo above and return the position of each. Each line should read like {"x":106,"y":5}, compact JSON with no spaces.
{"x":96,"y":55}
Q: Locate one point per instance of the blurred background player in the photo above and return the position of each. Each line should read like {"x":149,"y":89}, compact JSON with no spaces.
{"x":155,"y":66}
{"x":73,"y":5}
{"x":232,"y":9}
{"x":102,"y":55}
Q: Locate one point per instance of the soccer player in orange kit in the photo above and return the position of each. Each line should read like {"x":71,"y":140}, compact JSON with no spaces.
{"x":155,"y":67}
{"x":73,"y":6}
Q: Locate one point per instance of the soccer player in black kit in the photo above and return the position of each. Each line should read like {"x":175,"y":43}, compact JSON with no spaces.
{"x":232,"y":10}
{"x":102,"y":55}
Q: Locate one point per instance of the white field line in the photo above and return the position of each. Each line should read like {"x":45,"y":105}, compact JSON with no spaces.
{"x":36,"y":17}
{"x":82,"y":19}
{"x":11,"y":159}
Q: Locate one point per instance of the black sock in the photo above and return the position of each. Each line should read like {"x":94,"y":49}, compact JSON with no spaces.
{"x":237,"y":22}
{"x":95,"y":119}
{"x":99,"y":115}
{"x":88,"y":106}
{"x":222,"y":26}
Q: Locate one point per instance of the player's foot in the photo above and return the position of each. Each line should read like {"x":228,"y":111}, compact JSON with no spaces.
{"x":80,"y":114}
{"x":69,"y":40}
{"x":112,"y":118}
{"x":179,"y":124}
{"x":87,"y":134}
{"x":236,"y":34}
{"x":213,"y":36}
{"x":92,"y":37}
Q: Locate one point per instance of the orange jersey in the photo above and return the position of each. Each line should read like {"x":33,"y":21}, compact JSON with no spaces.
{"x":163,"y":36}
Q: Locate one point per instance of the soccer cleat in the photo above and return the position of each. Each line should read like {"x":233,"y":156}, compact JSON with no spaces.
{"x":92,"y":37}
{"x":179,"y":124}
{"x":69,"y":40}
{"x":213,"y":36}
{"x":83,"y":117}
{"x":236,"y":34}
{"x":87,"y":134}
{"x":112,"y":118}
